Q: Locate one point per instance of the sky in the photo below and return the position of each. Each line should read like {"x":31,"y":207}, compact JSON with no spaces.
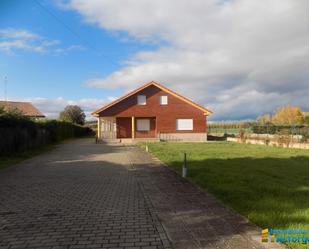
{"x":238,"y":58}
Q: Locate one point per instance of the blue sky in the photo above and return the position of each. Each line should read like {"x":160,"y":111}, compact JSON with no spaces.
{"x":52,"y":74}
{"x":221,"y":54}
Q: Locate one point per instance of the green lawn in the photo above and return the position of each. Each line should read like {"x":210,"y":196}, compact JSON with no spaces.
{"x":268,"y":185}
{"x":6,"y":161}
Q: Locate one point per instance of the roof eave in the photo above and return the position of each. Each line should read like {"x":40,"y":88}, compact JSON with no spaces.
{"x":206,"y":111}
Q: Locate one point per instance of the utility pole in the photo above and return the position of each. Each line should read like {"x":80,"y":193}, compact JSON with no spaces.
{"x":5,"y":88}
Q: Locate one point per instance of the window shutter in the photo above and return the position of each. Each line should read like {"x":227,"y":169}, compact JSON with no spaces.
{"x":183,"y":124}
{"x":143,"y":124}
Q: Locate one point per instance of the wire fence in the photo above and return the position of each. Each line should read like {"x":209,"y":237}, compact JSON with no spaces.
{"x":254,"y":128}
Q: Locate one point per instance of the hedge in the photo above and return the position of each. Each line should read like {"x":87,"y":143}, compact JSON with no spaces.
{"x":21,"y":134}
{"x":273,"y":129}
{"x":231,"y":125}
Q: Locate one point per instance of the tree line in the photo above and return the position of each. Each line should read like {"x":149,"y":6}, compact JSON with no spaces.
{"x":286,"y":115}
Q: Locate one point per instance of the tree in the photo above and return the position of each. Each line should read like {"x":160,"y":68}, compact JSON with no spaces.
{"x":73,"y":114}
{"x":306,"y":117}
{"x":288,"y":115}
{"x":264,"y":119}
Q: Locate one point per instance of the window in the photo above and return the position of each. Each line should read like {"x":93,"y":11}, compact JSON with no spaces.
{"x":184,"y":124}
{"x":141,"y":99}
{"x":163,"y":100}
{"x":142,"y":124}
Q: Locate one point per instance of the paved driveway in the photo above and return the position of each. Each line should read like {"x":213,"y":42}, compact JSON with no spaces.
{"x":84,"y":195}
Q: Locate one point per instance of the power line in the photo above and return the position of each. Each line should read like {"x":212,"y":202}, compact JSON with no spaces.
{"x":64,"y":24}
{"x":70,"y":29}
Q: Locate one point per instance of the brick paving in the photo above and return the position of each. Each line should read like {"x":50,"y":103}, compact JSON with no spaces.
{"x":84,"y":195}
{"x":192,"y":218}
{"x":80,"y":195}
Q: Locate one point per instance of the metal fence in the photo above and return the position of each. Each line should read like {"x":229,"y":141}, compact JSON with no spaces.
{"x":234,"y":129}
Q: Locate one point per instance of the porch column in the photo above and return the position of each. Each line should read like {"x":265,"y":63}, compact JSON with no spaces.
{"x":99,"y":128}
{"x":133,"y":127}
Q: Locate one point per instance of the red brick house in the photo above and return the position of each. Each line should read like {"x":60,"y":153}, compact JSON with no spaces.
{"x":26,"y":108}
{"x":152,"y":111}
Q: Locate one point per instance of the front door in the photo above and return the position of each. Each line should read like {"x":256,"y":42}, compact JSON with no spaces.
{"x":124,"y":127}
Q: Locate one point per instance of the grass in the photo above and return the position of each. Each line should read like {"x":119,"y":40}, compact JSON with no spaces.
{"x":268,"y":185}
{"x":9,"y":160}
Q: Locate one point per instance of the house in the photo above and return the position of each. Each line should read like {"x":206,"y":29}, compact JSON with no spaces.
{"x":26,"y":108}
{"x":152,"y":111}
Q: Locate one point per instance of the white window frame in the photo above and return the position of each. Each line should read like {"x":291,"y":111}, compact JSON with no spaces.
{"x":141,"y":99}
{"x":143,"y":124}
{"x":186,"y":125}
{"x":162,"y":98}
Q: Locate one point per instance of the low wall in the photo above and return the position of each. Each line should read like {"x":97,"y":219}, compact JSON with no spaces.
{"x":270,"y":143}
{"x":272,"y":136}
{"x":184,"y":137}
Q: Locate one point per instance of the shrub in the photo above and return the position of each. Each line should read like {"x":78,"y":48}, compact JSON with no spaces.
{"x":18,"y":133}
{"x":242,"y":135}
{"x":267,"y":141}
{"x":305,"y":138}
{"x":273,"y":129}
{"x":283,"y":137}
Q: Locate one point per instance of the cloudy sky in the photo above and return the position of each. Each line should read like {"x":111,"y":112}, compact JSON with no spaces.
{"x":239,"y":58}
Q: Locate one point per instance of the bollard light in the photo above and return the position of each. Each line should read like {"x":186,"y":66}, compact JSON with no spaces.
{"x":184,"y":166}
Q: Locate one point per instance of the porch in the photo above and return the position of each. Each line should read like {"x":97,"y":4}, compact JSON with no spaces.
{"x":127,"y":128}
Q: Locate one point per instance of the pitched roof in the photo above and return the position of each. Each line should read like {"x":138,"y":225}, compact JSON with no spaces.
{"x":25,"y":107}
{"x":163,"y":88}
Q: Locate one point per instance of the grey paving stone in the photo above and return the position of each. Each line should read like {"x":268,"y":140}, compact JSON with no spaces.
{"x":80,"y":195}
{"x":86,"y":195}
{"x":192,"y":218}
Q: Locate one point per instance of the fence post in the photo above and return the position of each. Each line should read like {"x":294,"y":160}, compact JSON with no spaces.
{"x":147,"y":149}
{"x":184,"y":166}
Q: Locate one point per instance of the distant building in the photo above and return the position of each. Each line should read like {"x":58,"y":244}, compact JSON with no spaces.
{"x":26,"y":108}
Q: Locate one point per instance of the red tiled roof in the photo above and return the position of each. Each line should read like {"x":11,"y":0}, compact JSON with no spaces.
{"x":25,"y":107}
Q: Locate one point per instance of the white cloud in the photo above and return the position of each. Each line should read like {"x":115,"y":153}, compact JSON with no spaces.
{"x":239,"y":57}
{"x":18,"y":34}
{"x":12,"y":40}
{"x":62,"y":51}
{"x":52,"y":107}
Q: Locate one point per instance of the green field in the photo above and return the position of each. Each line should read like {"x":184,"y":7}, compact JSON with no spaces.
{"x":268,"y":185}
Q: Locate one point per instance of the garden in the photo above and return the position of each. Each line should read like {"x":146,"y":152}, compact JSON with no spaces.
{"x":268,"y":185}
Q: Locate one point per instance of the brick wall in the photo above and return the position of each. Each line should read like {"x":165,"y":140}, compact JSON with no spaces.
{"x":165,"y":115}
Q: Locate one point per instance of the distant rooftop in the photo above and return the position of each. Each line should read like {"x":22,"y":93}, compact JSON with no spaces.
{"x":25,"y":107}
